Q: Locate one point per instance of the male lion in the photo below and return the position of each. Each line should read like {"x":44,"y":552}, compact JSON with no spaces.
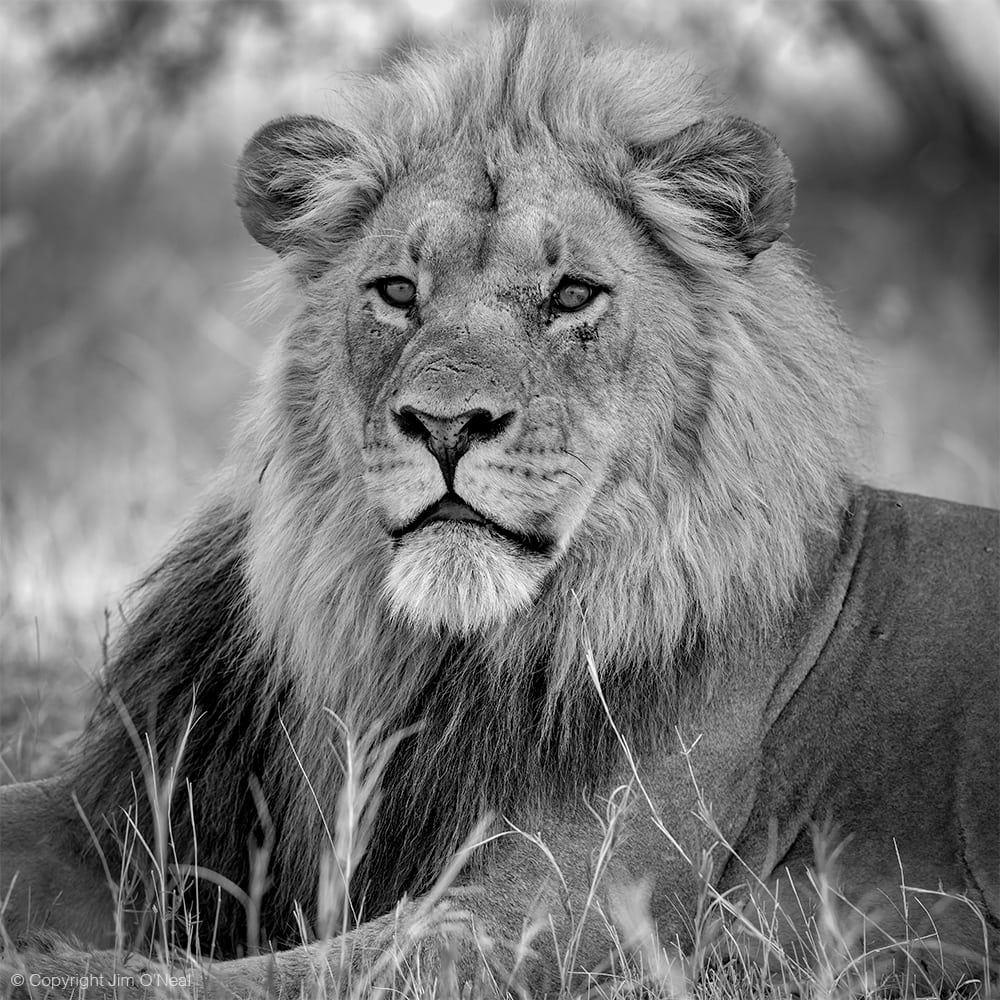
{"x":554,"y":459}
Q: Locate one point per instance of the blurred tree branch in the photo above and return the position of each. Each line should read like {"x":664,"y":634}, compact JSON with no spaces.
{"x":174,"y":46}
{"x":925,"y":70}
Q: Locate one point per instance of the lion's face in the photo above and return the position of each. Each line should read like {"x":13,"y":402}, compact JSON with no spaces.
{"x":490,"y":346}
{"x":509,"y":337}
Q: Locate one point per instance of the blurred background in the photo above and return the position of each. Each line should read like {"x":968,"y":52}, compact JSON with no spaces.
{"x":128,"y":333}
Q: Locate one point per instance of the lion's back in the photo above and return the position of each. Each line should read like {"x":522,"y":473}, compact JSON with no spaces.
{"x":893,"y":732}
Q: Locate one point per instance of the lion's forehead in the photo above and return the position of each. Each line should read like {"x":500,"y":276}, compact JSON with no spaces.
{"x":477,"y":222}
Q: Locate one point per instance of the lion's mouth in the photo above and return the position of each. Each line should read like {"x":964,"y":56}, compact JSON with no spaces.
{"x":452,"y":509}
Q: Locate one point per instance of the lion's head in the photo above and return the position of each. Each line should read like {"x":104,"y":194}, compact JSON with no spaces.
{"x":546,"y":343}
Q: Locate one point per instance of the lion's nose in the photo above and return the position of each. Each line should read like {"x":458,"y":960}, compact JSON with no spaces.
{"x":449,"y":438}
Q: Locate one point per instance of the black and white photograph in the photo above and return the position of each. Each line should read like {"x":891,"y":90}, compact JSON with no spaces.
{"x":499,"y":499}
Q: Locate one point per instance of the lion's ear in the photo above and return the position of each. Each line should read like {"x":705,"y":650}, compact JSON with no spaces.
{"x":734,"y":171}
{"x":281,"y":173}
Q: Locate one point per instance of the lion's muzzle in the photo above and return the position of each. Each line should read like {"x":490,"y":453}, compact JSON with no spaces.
{"x":448,"y":438}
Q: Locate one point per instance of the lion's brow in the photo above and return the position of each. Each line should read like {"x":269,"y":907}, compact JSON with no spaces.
{"x":553,"y":242}
{"x":416,"y":240}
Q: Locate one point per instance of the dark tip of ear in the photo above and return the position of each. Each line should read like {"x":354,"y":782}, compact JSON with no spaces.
{"x":733,"y":170}
{"x":275,"y":171}
{"x":770,"y":187}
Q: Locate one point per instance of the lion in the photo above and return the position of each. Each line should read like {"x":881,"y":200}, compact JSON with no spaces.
{"x":549,"y":486}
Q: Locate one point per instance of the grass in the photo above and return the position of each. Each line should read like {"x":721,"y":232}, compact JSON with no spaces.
{"x":741,"y":947}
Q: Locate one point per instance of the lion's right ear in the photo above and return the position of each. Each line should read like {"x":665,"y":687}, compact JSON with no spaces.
{"x":289,"y":168}
{"x":731,"y":172}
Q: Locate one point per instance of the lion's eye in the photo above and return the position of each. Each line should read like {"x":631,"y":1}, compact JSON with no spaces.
{"x":571,"y":295}
{"x":398,"y":292}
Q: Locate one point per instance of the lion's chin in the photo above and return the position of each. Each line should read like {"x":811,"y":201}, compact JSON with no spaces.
{"x":461,"y":578}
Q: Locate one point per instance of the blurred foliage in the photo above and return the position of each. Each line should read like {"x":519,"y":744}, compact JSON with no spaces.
{"x":165,"y":46}
{"x":930,"y":57}
{"x":127,"y":330}
{"x":945,"y":85}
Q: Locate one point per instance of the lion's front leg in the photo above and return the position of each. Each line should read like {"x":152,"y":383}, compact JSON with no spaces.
{"x":60,"y":971}
{"x":416,"y":944}
{"x":459,"y":938}
{"x":384,"y":953}
{"x":54,"y":968}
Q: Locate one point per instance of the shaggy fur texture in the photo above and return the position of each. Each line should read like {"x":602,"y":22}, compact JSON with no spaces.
{"x":683,"y":555}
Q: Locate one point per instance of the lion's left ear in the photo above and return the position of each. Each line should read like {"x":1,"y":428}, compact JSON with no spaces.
{"x":304,"y":185}
{"x":734,"y":171}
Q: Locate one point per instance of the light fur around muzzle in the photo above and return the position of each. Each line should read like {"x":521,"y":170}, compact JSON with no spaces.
{"x":460,"y":578}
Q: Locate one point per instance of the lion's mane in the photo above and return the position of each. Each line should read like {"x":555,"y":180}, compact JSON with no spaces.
{"x":271,"y":604}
